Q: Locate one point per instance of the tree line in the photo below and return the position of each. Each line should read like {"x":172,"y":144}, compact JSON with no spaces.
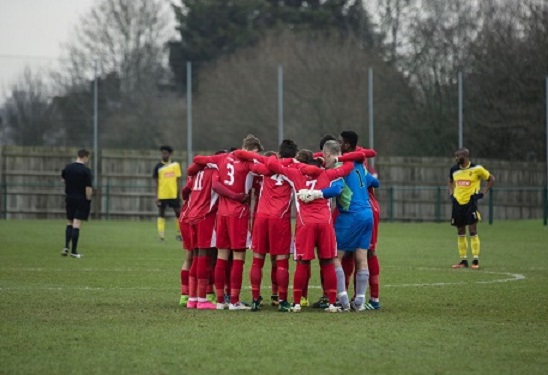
{"x":416,"y":49}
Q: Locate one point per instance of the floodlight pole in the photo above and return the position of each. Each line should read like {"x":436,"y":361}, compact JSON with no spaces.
{"x":280,"y":104}
{"x":370,"y":105}
{"x":189,"y":112}
{"x":461,"y":138}
{"x":95,"y":126}
{"x":546,"y":146}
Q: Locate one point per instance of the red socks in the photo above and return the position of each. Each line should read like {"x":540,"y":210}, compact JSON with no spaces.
{"x":236,"y":280}
{"x":184,"y":282}
{"x":329,"y":281}
{"x":299,"y":281}
{"x":202,"y":275}
{"x":192,"y":284}
{"x":282,"y":276}
{"x":348,"y":267}
{"x":211,"y":268}
{"x":374,"y":271}
{"x":255,"y":276}
{"x":274,"y":277}
{"x":308,"y":275}
{"x":220,"y":279}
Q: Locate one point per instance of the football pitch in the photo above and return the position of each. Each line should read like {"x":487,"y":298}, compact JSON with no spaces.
{"x":116,"y":311}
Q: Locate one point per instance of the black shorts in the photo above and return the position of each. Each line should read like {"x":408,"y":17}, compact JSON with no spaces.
{"x":174,"y":203}
{"x":464,"y":214}
{"x":77,"y":208}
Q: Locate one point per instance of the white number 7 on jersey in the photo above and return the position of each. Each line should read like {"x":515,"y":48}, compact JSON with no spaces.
{"x":311,"y":184}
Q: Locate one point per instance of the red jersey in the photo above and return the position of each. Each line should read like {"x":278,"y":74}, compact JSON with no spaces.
{"x":275,"y":194}
{"x":203,"y":200}
{"x":319,"y":210}
{"x":235,"y":175}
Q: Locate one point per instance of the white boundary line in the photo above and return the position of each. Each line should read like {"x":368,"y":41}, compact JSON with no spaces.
{"x":511,"y":277}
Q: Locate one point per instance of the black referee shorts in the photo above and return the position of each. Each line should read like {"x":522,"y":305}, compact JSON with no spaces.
{"x":77,"y":208}
{"x":464,"y":214}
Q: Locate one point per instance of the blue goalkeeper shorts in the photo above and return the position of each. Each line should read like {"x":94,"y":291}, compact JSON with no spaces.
{"x":354,"y":230}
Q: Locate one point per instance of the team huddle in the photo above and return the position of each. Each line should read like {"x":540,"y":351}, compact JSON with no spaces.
{"x":218,"y":224}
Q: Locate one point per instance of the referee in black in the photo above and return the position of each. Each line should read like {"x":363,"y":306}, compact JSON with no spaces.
{"x":78,"y":190}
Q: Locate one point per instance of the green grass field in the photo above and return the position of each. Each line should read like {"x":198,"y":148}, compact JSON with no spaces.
{"x":115,"y":311}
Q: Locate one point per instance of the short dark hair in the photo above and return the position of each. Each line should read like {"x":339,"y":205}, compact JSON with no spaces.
{"x":270,"y":153}
{"x":287,"y":149}
{"x":251,"y":142}
{"x":350,"y":137}
{"x":166,"y":148}
{"x":317,"y":162}
{"x":305,"y":156}
{"x":83,"y":153}
{"x":325,"y":138}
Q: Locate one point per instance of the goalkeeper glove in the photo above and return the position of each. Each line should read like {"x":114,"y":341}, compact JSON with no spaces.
{"x":309,"y":195}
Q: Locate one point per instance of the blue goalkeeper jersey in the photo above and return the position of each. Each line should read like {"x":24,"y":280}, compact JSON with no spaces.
{"x":354,"y":196}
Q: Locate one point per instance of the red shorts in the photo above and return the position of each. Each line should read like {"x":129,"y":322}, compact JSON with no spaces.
{"x":186,"y":233}
{"x":271,"y":235}
{"x":309,"y":236}
{"x":375,"y":232}
{"x":203,"y":232}
{"x":232,"y":232}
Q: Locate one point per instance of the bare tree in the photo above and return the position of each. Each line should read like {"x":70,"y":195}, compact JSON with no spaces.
{"x":27,"y":116}
{"x":509,"y":61}
{"x":325,"y":91}
{"x":123,"y":36}
{"x":126,"y":40}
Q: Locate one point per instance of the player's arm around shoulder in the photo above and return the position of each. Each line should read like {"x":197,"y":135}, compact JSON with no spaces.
{"x":208,"y":159}
{"x":273,"y":164}
{"x":260,"y":169}
{"x":343,"y":170}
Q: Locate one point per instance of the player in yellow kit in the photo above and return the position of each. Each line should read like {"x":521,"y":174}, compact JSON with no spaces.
{"x":464,"y":188}
{"x":167,"y":177}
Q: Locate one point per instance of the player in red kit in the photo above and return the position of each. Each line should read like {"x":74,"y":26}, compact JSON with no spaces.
{"x":201,"y":216}
{"x":233,"y":215}
{"x":184,"y":228}
{"x":314,"y":228}
{"x":272,"y":226}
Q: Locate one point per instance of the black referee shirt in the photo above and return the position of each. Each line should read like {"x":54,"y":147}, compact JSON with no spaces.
{"x":77,"y":177}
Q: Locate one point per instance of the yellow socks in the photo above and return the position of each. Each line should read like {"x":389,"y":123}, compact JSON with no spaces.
{"x":475,"y":245}
{"x":463,"y":246}
{"x":161,"y":224}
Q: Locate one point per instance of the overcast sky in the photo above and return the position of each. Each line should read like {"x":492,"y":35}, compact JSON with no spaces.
{"x":31,"y":32}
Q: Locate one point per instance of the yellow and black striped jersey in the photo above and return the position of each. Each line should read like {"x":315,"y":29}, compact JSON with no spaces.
{"x":167,"y":174}
{"x":467,"y":181}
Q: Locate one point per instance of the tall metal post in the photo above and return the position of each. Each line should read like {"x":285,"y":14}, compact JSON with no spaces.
{"x":189,"y":112}
{"x":95,"y":127}
{"x":461,"y":138}
{"x":370,"y":105}
{"x":280,"y":104}
{"x":546,"y":161}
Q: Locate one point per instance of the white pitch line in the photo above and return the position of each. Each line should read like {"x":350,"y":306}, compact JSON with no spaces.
{"x":511,"y":277}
